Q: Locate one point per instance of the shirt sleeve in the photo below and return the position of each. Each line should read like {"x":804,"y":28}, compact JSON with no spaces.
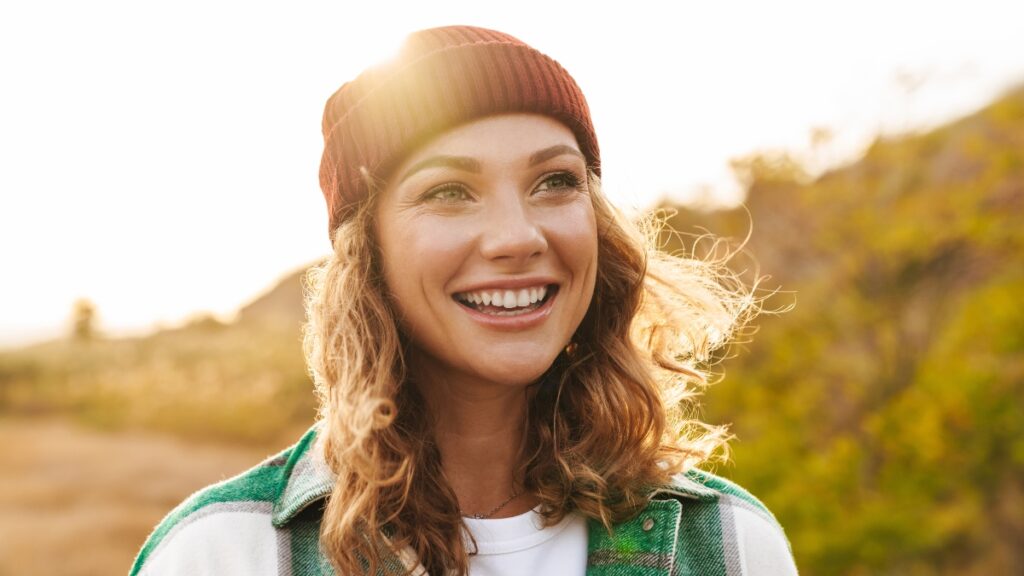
{"x":763,"y":548}
{"x":224,"y":544}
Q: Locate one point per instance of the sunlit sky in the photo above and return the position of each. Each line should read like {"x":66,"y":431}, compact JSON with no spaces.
{"x":160,"y":158}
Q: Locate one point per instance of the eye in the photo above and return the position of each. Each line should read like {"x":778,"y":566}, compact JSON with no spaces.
{"x":447,"y":194}
{"x":559,"y":181}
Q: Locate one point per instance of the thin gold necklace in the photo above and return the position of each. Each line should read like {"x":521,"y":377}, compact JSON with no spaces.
{"x":493,"y":511}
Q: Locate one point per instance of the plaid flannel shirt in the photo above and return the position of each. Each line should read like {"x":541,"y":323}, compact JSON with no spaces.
{"x":267,"y":521}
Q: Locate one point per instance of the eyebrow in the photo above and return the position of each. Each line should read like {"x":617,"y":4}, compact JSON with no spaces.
{"x":554,"y":152}
{"x":457,"y":162}
{"x":467,"y":164}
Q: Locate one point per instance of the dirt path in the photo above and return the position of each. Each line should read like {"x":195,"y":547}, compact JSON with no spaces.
{"x":76,"y":501}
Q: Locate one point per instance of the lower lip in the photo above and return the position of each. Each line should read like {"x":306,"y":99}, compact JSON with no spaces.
{"x":517,"y":322}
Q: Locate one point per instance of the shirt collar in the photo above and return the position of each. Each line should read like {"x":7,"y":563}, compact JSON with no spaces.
{"x":692,"y":484}
{"x":307,"y":478}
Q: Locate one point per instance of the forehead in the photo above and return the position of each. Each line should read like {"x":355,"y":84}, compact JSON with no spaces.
{"x":501,"y":138}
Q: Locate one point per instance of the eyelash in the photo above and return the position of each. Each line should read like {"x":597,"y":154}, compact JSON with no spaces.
{"x":572,"y":181}
{"x":434,"y":193}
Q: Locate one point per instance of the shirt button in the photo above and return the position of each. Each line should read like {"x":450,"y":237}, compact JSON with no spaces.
{"x":648,"y":524}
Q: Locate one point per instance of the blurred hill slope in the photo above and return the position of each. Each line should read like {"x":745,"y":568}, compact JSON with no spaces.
{"x":243,"y":381}
{"x":883,"y":419}
{"x":279,"y":308}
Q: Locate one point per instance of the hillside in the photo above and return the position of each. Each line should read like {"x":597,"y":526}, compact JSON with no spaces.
{"x":243,"y":381}
{"x":881,"y":419}
{"x":278,"y":308}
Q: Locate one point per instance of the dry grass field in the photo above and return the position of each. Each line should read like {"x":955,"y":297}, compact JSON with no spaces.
{"x":100,"y":438}
{"x":77,"y":501}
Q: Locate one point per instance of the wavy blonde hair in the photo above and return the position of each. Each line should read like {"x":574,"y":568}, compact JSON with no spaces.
{"x":612,"y":418}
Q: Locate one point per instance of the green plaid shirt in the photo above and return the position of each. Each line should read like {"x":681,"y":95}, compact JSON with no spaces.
{"x":267,"y":521}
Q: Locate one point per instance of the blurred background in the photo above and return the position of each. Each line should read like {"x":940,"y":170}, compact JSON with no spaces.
{"x":160,"y":204}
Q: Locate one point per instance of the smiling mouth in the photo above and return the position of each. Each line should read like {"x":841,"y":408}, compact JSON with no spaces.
{"x":507,"y":302}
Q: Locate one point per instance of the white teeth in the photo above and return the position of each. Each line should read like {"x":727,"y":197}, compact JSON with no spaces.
{"x":507,"y":299}
{"x":523,"y":298}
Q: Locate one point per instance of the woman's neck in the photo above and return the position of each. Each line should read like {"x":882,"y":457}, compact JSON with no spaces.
{"x":479,"y":430}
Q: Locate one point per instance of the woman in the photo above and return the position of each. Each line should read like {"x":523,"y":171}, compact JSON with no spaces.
{"x":504,"y":368}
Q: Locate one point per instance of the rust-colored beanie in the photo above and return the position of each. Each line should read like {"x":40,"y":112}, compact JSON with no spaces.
{"x":442,"y":77}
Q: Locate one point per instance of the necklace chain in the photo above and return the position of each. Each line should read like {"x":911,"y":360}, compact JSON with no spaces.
{"x":495,"y":510}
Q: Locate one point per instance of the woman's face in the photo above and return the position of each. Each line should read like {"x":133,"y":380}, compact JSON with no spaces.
{"x":489,"y":247}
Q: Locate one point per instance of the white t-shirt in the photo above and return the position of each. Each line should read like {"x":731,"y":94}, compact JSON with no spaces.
{"x":519,"y":546}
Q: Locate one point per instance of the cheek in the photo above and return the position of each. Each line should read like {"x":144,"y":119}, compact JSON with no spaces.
{"x":575,"y":231}
{"x":419,"y":257}
{"x":574,"y":234}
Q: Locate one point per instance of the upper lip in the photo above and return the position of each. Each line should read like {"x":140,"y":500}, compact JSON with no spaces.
{"x":509,"y":284}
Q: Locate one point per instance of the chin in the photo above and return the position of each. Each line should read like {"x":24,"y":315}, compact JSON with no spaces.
{"x":516,"y":374}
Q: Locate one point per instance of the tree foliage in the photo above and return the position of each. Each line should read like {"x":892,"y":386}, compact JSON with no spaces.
{"x":83,"y":320}
{"x":883,"y":418}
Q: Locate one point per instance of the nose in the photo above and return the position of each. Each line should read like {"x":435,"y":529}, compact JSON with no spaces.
{"x":511,"y":233}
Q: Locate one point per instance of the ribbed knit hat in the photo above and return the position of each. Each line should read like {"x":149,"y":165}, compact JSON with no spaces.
{"x":442,"y":77}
